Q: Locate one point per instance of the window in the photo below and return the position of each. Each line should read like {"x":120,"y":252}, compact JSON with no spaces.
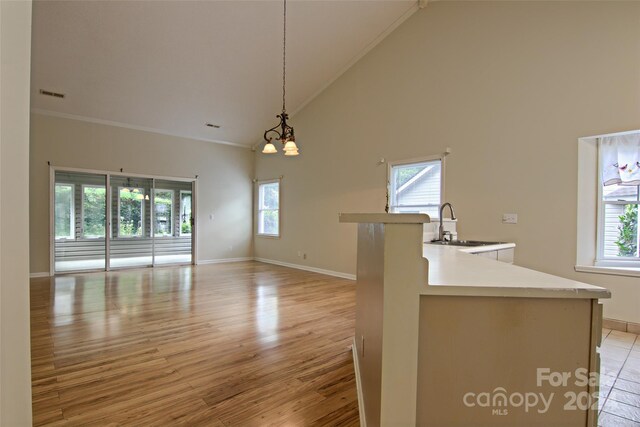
{"x":185,"y":213}
{"x":94,"y":208}
{"x":619,"y":196}
{"x":416,"y":186}
{"x":64,"y":211}
{"x":163,"y":212}
{"x":268,"y":208}
{"x":130,"y":211}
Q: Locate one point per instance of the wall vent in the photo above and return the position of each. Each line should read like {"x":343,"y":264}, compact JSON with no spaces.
{"x":49,"y":93}
{"x":211,"y":125}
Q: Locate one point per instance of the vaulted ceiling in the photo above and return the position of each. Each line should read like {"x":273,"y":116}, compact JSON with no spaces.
{"x":172,"y":66}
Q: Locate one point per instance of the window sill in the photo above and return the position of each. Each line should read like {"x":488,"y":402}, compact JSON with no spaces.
{"x":269,"y":236}
{"x":616,"y":271}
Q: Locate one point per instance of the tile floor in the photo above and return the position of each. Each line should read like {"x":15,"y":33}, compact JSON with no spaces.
{"x":619,"y":379}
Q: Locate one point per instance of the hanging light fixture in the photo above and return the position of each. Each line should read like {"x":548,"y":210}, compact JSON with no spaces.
{"x":282,"y":131}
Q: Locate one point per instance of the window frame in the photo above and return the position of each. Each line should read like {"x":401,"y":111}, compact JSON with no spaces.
{"x":180,"y":208}
{"x":82,"y":210}
{"x":142,"y":214}
{"x":72,"y":220}
{"x":258,"y":210}
{"x":431,"y":158}
{"x":173,"y":193}
{"x":600,"y":259}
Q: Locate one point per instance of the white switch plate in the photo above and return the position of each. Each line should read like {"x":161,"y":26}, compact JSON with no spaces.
{"x":509,"y":218}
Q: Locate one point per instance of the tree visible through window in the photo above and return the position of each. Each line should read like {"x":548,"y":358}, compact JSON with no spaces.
{"x":163,"y":212}
{"x":131,"y":211}
{"x":64,"y":211}
{"x":94,"y":209}
{"x":269,"y":208}
{"x":620,"y":189}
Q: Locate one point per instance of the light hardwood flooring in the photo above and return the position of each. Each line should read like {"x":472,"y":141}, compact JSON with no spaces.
{"x":236,"y":344}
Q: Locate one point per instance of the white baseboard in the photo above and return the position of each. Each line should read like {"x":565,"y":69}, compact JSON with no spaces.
{"x":41,"y":274}
{"x":307,"y":268}
{"x":356,"y":368}
{"x":222,"y":260}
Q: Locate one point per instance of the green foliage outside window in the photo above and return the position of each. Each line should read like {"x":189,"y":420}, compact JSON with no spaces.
{"x":63,"y":206}
{"x":628,"y":232}
{"x":94,"y":206}
{"x":163,"y":200}
{"x":404,"y":174}
{"x":130,"y":224}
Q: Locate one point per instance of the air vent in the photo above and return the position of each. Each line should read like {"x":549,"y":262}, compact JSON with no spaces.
{"x":49,"y":93}
{"x":211,"y":125}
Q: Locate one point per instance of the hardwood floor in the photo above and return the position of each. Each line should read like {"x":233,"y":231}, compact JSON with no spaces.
{"x":236,"y":344}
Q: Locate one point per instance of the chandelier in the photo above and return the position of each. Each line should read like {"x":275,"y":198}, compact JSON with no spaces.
{"x":282,"y":131}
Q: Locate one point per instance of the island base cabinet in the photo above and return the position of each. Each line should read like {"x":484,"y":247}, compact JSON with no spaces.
{"x":496,"y":361}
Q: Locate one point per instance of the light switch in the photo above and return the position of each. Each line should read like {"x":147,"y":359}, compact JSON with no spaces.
{"x":509,"y":218}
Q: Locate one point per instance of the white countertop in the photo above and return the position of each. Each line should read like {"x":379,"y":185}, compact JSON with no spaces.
{"x":454,"y":272}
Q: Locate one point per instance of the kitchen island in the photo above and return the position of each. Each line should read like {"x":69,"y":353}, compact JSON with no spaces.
{"x":446,"y":338}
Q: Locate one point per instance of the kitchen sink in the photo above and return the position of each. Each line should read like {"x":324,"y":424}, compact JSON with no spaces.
{"x":468,"y":243}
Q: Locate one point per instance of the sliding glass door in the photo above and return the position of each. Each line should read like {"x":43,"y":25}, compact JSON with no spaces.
{"x":111,"y":221}
{"x":79,"y":221}
{"x":131,"y":243}
{"x":172,"y":222}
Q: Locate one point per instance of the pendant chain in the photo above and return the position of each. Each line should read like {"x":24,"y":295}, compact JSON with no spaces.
{"x":284,"y":56}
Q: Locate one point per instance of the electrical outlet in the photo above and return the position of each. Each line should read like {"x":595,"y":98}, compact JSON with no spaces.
{"x":304,"y":255}
{"x":509,"y":218}
{"x":299,"y":254}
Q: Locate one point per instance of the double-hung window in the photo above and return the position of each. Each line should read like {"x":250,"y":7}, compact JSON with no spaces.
{"x":416,"y":186}
{"x":269,"y":208}
{"x":618,"y":200}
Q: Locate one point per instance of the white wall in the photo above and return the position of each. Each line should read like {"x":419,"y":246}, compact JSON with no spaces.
{"x":224,"y":178}
{"x":510,"y":87}
{"x":15,"y":360}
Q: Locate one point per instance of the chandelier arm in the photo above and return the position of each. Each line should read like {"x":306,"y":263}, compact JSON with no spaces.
{"x":274,"y":130}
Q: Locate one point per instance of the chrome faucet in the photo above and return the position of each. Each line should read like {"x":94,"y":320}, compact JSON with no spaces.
{"x":441,"y":232}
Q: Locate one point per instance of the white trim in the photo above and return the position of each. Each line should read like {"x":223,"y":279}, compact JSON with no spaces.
{"x":259,"y":184}
{"x":52,"y":213}
{"x":222,"y":260}
{"x":194,"y":226}
{"x":356,"y":368}
{"x":40,"y":274}
{"x":86,"y":119}
{"x":425,"y":159}
{"x":614,"y":271}
{"x":307,"y":268}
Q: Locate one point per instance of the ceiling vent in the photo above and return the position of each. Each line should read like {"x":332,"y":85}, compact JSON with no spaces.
{"x":49,"y":93}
